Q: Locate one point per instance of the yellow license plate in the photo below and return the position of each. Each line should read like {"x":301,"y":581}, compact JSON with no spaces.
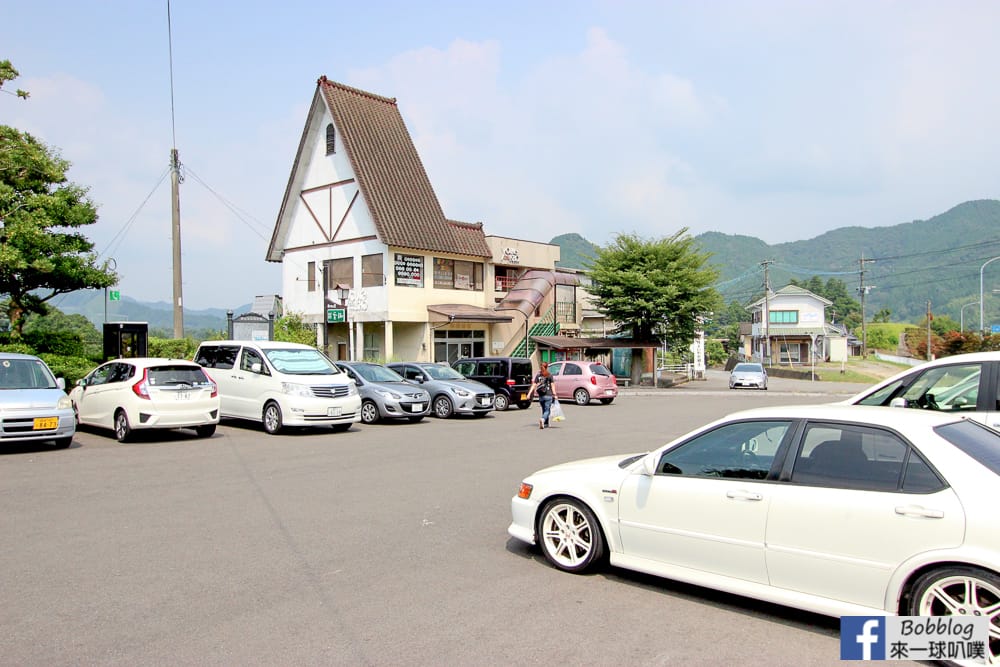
{"x":45,"y":423}
{"x":524,"y":397}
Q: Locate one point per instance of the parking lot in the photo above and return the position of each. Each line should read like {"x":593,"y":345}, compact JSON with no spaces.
{"x":385,"y":545}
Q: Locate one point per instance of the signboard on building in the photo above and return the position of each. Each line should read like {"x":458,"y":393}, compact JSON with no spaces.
{"x":409,"y":270}
{"x":336,"y":315}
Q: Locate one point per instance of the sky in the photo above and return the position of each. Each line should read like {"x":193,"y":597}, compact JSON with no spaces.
{"x":778,"y":120}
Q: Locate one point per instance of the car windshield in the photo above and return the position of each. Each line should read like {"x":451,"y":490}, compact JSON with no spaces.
{"x":439,"y":372}
{"x":376,"y":373}
{"x":300,"y":362}
{"x":25,"y":374}
{"x":169,"y":376}
{"x":748,"y":368}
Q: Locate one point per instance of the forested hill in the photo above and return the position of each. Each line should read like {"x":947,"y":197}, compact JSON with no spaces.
{"x":906,"y":265}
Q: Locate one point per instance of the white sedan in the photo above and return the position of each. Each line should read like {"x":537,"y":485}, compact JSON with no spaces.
{"x":147,"y":393}
{"x":835,"y":509}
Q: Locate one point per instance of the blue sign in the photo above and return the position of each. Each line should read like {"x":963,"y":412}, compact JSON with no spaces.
{"x":862,"y":638}
{"x":995,"y":328}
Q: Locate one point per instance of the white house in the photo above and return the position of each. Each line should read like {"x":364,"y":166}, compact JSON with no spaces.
{"x":789,"y":327}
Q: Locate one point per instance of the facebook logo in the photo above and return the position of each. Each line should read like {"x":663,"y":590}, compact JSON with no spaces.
{"x":862,"y":637}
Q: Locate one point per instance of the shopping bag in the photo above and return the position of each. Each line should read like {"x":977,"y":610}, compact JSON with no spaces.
{"x":556,"y":412}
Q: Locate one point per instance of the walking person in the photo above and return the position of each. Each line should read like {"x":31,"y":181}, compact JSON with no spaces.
{"x":542,"y":387}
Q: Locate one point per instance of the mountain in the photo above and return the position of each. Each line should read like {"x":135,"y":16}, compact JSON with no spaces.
{"x":159,"y":314}
{"x":575,"y":251}
{"x":905,"y":266}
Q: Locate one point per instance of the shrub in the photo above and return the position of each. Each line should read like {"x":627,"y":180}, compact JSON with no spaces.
{"x":171,"y":348}
{"x":70,"y":368}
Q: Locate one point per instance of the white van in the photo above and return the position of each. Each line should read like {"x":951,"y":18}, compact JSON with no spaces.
{"x":280,"y":384}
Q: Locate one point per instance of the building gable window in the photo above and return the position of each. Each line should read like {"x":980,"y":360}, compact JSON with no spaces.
{"x":339,"y":272}
{"x":331,"y":139}
{"x":371,"y":271}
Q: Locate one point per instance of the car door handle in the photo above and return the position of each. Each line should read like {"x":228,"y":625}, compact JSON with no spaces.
{"x":743,"y":495}
{"x":917,"y":510}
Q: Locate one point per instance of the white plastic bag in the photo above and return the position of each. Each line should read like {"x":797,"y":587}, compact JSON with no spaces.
{"x":556,"y":412}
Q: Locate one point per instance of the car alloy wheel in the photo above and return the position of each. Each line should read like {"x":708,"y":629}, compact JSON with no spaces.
{"x":122,"y":428}
{"x":581,"y":396}
{"x":369,"y":412}
{"x":442,"y":407}
{"x":965,"y":592}
{"x":501,"y":402}
{"x":272,"y":418}
{"x":570,"y":537}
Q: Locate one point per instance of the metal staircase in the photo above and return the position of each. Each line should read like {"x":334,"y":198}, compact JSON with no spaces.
{"x":546,"y":326}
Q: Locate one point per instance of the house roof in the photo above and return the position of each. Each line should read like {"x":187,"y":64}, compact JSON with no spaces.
{"x":390,"y":175}
{"x":567,"y":343}
{"x":793,"y":290}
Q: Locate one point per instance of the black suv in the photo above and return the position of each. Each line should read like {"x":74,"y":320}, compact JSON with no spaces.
{"x":509,"y":377}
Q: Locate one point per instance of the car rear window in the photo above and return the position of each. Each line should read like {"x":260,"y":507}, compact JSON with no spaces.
{"x":976,"y":440}
{"x":521,"y":371}
{"x":599,"y":369}
{"x":166,"y":376}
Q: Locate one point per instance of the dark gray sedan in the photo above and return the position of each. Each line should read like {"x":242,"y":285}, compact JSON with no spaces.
{"x":386,"y":395}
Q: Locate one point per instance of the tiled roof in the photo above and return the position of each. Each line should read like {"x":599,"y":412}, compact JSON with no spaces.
{"x":392,"y":178}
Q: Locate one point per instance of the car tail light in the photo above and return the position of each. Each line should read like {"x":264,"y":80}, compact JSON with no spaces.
{"x":215,"y":385}
{"x":525,"y":491}
{"x":141,"y":388}
{"x":510,"y":382}
{"x":614,"y":380}
{"x":593,"y":380}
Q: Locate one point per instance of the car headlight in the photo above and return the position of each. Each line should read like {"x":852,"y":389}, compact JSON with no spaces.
{"x":64,"y":403}
{"x":464,"y":393}
{"x":295,"y":389}
{"x":385,"y":393}
{"x":352,"y":389}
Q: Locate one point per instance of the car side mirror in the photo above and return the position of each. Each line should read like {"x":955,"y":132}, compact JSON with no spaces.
{"x":898,"y":402}
{"x":61,"y":383}
{"x":649,"y":464}
{"x":255,"y":367}
{"x":82,"y":382}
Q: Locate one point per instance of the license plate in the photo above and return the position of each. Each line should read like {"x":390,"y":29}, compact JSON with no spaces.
{"x":45,"y":423}
{"x":485,"y":401}
{"x":609,"y":391}
{"x":417,"y":407}
{"x":183,"y":395}
{"x":333,"y":412}
{"x":524,"y":397}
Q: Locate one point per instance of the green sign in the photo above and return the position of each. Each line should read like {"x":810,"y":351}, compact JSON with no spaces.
{"x":114,"y":295}
{"x":335,"y":315}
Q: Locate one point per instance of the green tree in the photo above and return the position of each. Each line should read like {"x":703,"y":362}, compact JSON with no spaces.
{"x":653,"y":289}
{"x":8,"y":73}
{"x":42,"y":253}
{"x":882,"y":316}
{"x":291,"y":329}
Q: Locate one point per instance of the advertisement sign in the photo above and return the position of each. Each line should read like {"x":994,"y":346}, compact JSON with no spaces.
{"x":409,"y":270}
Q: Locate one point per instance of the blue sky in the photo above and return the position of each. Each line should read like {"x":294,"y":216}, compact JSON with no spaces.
{"x":779,"y":120}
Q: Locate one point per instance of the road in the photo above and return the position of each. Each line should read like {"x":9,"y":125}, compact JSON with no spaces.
{"x":385,"y":545}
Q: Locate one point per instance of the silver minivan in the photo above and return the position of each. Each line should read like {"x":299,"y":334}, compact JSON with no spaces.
{"x":280,"y":384}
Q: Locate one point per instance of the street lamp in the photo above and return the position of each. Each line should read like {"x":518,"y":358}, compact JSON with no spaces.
{"x":961,"y":326}
{"x":343,"y":290}
{"x":982,"y":329}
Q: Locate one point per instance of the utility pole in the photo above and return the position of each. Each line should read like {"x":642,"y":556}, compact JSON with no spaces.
{"x":765,"y":354}
{"x":929,"y":318}
{"x":863,"y":290}
{"x":175,"y":208}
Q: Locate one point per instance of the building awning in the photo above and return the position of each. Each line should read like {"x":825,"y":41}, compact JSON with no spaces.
{"x":582,"y":343}
{"x":460,"y":312}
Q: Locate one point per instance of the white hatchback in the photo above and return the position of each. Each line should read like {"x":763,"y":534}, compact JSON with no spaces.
{"x":126,"y":395}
